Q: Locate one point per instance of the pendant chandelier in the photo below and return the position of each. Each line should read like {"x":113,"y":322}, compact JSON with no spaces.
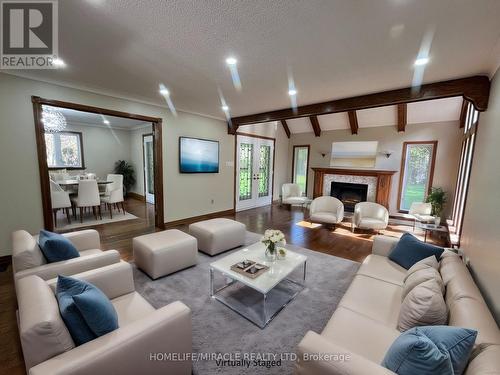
{"x":53,"y":120}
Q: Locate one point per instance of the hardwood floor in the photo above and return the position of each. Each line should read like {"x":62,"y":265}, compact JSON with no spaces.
{"x":339,"y":242}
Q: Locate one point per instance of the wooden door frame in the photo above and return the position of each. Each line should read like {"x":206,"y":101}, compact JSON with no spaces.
{"x":42,"y":153}
{"x":403,"y":163}
{"x":308,"y":159}
{"x":235,"y":163}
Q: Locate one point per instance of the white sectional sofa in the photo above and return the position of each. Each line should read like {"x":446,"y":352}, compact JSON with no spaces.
{"x":364,"y":325}
{"x":27,"y":258}
{"x":138,"y":346}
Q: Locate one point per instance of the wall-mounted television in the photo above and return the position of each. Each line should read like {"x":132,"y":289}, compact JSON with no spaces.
{"x":198,"y":155}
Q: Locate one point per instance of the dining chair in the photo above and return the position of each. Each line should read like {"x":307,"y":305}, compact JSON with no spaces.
{"x":114,"y":193}
{"x":88,"y":196}
{"x":60,"y":200}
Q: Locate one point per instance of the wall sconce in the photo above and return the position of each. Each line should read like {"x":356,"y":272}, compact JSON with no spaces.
{"x":386,"y":153}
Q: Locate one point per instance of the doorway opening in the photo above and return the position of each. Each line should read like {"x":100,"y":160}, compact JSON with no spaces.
{"x":98,"y":166}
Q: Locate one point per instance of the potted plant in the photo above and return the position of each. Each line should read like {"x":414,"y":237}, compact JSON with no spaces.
{"x":437,"y":199}
{"x":127,"y":171}
{"x":272,"y":239}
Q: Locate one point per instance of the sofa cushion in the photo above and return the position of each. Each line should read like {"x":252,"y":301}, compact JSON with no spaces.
{"x":97,"y":311}
{"x":26,"y":253}
{"x":346,"y":327}
{"x":381,"y":268}
{"x":67,"y":287}
{"x":410,"y":250}
{"x":41,"y":329}
{"x":485,"y":361}
{"x":131,"y":307}
{"x":55,"y":247}
{"x":422,"y":264}
{"x":424,"y":305}
{"x":420,"y":276}
{"x":413,"y":353}
{"x":376,"y":299}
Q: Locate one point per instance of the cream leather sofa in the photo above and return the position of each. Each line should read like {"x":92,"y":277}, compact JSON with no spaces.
{"x":27,"y":258}
{"x":363,"y":326}
{"x":139,"y":346}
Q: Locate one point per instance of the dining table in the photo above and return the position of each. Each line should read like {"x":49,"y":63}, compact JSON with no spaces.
{"x":75,"y":182}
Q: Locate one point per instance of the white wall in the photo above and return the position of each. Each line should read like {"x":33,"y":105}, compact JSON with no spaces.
{"x":447,"y":134}
{"x":480,"y":234}
{"x":20,"y":197}
{"x":282,"y":163}
{"x":102,"y":147}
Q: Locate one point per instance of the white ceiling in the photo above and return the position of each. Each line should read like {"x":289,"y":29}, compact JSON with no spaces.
{"x":94,"y":119}
{"x":440,"y":110}
{"x":335,"y":48}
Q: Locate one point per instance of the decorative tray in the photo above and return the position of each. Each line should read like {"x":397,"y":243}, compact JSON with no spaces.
{"x":249,"y":268}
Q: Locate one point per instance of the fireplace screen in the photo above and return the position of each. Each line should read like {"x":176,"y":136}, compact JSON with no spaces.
{"x":349,"y":194}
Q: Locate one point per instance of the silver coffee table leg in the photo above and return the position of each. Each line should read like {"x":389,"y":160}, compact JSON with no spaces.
{"x":305,"y":267}
{"x":211,"y":282}
{"x":264,"y":312}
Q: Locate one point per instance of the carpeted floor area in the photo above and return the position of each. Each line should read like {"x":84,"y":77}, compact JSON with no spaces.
{"x":218,"y":329}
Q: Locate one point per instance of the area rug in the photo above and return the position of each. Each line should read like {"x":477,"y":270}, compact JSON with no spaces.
{"x":90,"y":221}
{"x":218,"y":329}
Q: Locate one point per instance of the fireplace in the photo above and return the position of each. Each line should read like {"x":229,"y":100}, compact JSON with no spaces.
{"x":349,"y":194}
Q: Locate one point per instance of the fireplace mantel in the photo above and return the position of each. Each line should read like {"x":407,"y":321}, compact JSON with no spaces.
{"x":384,"y":178}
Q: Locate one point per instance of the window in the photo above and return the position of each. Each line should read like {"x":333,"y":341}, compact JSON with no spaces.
{"x":464,"y":170}
{"x":64,"y":150}
{"x":417,"y":168}
{"x":300,"y":166}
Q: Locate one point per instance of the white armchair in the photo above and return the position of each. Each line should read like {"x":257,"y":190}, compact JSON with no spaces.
{"x":28,"y":259}
{"x":143,"y":330}
{"x":291,"y":194}
{"x":327,"y":210}
{"x":114,"y":193}
{"x":421,"y":212}
{"x":60,"y":200}
{"x":369,"y":215}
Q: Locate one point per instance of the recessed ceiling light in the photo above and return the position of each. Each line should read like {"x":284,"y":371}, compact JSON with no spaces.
{"x":231,"y":61}
{"x":292,"y":92}
{"x":105,"y":121}
{"x":421,"y":61}
{"x":59,"y":63}
{"x":164,"y":91}
{"x":225,"y":108}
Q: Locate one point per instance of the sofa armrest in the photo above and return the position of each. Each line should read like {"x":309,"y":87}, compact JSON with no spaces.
{"x":140,"y":347}
{"x":114,"y":280}
{"x":84,"y":239}
{"x":71,"y":266}
{"x":383,"y":245}
{"x":336,"y":360}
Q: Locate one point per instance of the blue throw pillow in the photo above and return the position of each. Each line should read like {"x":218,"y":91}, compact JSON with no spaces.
{"x":67,"y":287}
{"x":97,"y":310}
{"x":55,"y":247}
{"x":409,"y":250}
{"x":440,"y":350}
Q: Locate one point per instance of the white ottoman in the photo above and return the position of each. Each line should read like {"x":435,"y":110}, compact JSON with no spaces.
{"x":217,"y":235}
{"x":161,"y":253}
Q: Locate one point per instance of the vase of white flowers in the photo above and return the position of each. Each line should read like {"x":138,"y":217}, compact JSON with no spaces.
{"x":272,"y":239}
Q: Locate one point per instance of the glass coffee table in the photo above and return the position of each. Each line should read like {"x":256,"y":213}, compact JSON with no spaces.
{"x":431,"y":228}
{"x":259,"y":300}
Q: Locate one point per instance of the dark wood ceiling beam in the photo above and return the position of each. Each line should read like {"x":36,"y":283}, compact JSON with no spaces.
{"x":475,"y":89}
{"x":353,"y":122}
{"x":463,"y":113}
{"x":315,"y":125}
{"x":285,"y":128}
{"x":402,"y":116}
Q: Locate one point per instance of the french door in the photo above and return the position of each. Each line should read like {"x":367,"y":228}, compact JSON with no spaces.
{"x":254,"y":172}
{"x":149,"y":188}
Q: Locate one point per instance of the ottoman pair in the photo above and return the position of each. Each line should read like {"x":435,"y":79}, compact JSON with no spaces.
{"x":161,"y":253}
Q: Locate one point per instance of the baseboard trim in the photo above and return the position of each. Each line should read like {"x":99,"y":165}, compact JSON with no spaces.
{"x":194,"y":219}
{"x":136,"y":196}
